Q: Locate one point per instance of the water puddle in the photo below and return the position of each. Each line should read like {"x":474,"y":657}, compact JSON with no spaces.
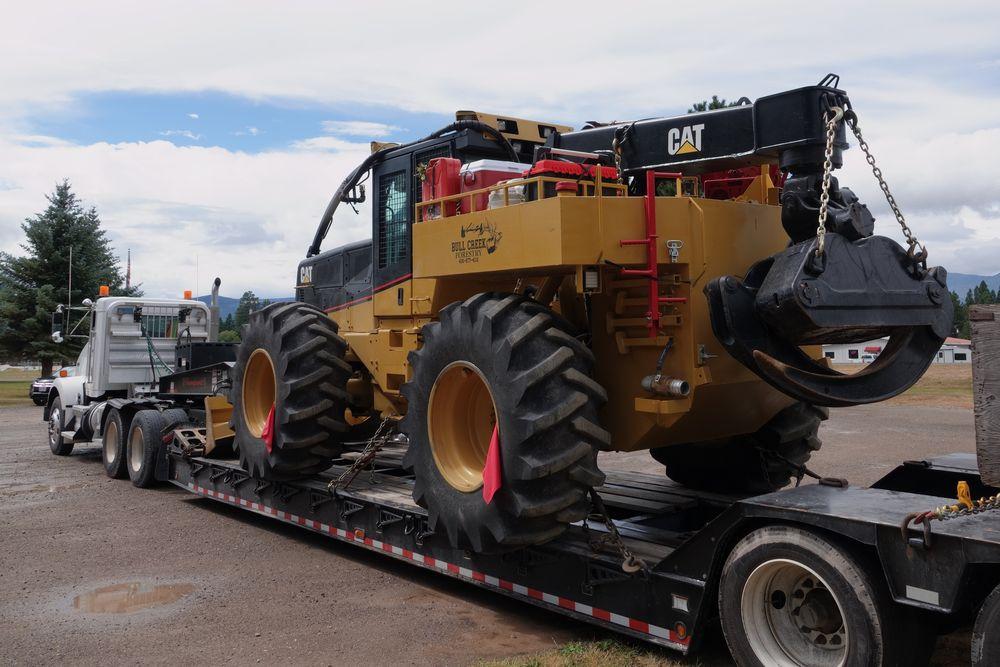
{"x":129,"y":598}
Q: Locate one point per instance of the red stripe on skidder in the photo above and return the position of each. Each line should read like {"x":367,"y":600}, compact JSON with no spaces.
{"x":491,"y":473}
{"x":267,"y":435}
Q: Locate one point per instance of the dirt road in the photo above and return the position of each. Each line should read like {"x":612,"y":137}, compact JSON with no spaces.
{"x":215,"y":585}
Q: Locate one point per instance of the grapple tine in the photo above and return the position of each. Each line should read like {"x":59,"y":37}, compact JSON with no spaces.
{"x":904,"y":360}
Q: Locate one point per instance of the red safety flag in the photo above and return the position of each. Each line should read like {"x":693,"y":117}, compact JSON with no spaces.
{"x":267,"y":435}
{"x":491,"y":472}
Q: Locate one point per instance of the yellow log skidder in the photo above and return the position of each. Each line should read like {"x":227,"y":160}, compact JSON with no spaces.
{"x":544,"y":294}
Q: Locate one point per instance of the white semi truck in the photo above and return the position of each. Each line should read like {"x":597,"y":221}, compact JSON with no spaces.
{"x":115,"y":397}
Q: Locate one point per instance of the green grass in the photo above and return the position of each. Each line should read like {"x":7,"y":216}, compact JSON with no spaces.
{"x":14,"y":392}
{"x":602,"y":653}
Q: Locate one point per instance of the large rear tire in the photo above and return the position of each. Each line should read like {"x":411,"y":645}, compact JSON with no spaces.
{"x":505,"y":359}
{"x":789,"y":597}
{"x":113,"y":447}
{"x":986,"y":635}
{"x":291,"y":358}
{"x":756,"y":463}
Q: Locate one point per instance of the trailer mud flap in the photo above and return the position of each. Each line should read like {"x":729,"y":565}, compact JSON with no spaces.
{"x":858,"y":291}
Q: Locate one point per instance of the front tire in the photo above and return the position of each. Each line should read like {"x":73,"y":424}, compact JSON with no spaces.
{"x":292,"y":360}
{"x":788,"y":597}
{"x":506,"y":360}
{"x":56,"y":444}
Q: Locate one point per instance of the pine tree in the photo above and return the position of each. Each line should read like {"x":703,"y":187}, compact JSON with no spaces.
{"x":707,"y":105}
{"x":961,"y":325}
{"x":248,"y":303}
{"x":33,"y":284}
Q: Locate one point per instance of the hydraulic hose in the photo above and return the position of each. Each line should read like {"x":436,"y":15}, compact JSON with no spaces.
{"x":355,"y":176}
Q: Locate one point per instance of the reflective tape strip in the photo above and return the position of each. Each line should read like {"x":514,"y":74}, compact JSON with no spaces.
{"x":660,"y":634}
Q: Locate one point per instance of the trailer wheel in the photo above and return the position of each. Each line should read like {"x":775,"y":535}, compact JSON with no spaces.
{"x":508,"y":359}
{"x":743,"y":463}
{"x":56,"y":444}
{"x":789,"y":597}
{"x":113,"y":449}
{"x":291,"y":359}
{"x":986,"y":634}
{"x":145,"y":440}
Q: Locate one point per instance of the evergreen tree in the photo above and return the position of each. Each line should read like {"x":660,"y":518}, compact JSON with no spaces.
{"x":983,"y":294}
{"x":707,"y":105}
{"x":962,"y":329}
{"x":33,"y":284}
{"x":248,"y":303}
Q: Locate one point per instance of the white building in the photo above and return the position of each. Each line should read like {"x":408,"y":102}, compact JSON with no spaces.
{"x":954,"y":351}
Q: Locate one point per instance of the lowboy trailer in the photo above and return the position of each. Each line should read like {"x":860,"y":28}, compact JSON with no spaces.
{"x":686,"y":549}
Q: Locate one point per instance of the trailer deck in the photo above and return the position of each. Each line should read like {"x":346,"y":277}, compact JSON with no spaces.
{"x":681,"y":536}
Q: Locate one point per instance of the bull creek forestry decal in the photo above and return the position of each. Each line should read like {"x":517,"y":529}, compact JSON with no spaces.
{"x":475,"y":239}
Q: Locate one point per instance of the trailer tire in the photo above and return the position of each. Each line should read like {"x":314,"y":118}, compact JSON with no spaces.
{"x":742,"y":464}
{"x":291,"y":358}
{"x":787,"y":595}
{"x":986,"y":634}
{"x":113,"y":449}
{"x":507,"y":358}
{"x":56,"y":444}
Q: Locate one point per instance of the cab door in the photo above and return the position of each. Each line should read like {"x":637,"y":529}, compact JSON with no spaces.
{"x":392,"y":214}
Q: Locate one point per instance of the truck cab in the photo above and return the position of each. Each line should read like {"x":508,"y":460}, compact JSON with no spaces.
{"x":132,"y":342}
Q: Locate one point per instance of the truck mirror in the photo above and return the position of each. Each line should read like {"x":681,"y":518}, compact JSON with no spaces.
{"x":57,"y":321}
{"x":57,"y":337}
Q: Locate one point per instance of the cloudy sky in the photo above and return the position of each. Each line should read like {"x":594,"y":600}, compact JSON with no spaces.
{"x":210,"y":136}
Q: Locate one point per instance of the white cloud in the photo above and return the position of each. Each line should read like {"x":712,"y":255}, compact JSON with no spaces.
{"x":247,"y":218}
{"x":249,"y":130}
{"x":359,"y":128}
{"x":193,"y":115}
{"x":924,"y":83}
{"x":187,"y":134}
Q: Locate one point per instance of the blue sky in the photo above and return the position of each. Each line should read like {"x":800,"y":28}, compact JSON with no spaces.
{"x":213,"y":118}
{"x":211,"y":136}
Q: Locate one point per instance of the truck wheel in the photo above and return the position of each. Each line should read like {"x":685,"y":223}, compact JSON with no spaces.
{"x":789,"y":597}
{"x":113,"y":446}
{"x":56,"y":444}
{"x":291,"y":359}
{"x":507,"y":359}
{"x":145,"y":441}
{"x":986,"y":634}
{"x":744,"y":464}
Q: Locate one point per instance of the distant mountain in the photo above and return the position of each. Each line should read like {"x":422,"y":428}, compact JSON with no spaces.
{"x":227,"y":304}
{"x":960,"y":283}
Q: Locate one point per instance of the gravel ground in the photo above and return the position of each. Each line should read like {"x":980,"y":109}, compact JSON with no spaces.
{"x":222,"y":586}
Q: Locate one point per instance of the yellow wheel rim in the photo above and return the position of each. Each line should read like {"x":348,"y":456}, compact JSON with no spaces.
{"x":259,"y":389}
{"x":460,"y":419}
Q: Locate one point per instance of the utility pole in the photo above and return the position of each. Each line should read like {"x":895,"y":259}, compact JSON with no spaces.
{"x":69,"y":290}
{"x":128,"y":270}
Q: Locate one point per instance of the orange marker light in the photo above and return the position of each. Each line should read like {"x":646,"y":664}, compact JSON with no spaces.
{"x":104,"y":290}
{"x":63,"y":374}
{"x":187,"y":294}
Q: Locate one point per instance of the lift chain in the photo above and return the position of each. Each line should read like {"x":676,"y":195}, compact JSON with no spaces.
{"x":372,"y":448}
{"x":630,"y":562}
{"x":851,"y":118}
{"x":831,"y":119}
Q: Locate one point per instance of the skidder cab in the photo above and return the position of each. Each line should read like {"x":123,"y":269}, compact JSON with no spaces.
{"x":532,"y":295}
